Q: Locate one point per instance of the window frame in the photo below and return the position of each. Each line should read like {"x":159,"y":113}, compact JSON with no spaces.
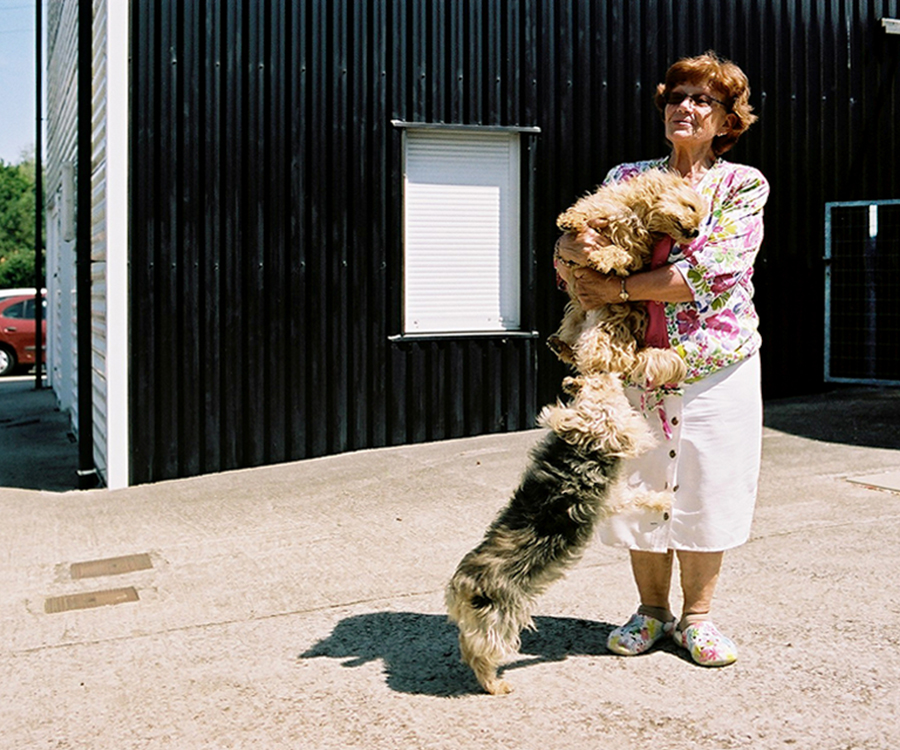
{"x":527,"y":144}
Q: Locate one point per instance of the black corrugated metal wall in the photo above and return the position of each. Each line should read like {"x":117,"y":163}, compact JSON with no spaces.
{"x":266,"y":191}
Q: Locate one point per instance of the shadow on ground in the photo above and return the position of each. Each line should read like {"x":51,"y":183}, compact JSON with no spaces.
{"x":37,"y":451}
{"x":867,"y":417}
{"x":421,"y":655}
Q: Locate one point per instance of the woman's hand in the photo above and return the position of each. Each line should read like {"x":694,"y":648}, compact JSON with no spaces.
{"x":594,"y":289}
{"x":572,"y":251}
{"x":573,"y":248}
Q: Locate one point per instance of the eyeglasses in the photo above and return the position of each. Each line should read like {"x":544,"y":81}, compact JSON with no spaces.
{"x":699,"y":100}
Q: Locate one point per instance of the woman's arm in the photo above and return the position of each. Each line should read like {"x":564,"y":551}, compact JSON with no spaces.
{"x":664,"y":284}
{"x":716,"y":262}
{"x":711,"y":267}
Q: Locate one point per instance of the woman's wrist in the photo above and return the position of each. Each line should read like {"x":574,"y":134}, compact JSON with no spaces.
{"x":663,"y":284}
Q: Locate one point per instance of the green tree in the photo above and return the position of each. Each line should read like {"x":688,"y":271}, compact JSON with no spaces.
{"x":17,"y":223}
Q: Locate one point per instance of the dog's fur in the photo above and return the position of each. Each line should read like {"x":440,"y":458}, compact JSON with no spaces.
{"x":547,"y":523}
{"x":566,"y":487}
{"x":633,"y":215}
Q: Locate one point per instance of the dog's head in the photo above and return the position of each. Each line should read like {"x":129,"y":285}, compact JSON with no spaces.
{"x":666,"y":203}
{"x":677,"y":212}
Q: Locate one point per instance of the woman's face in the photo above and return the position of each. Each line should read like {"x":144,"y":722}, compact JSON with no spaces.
{"x":690,"y":123}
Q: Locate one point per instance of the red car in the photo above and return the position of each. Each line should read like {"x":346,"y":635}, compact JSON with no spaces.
{"x":17,"y":332}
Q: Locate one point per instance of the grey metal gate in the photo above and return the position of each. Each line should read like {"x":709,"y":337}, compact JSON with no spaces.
{"x":862,"y":292}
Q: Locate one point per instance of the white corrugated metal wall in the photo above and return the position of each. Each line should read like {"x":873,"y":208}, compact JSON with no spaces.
{"x":62,"y":126}
{"x":98,"y":240}
{"x":108,"y":225}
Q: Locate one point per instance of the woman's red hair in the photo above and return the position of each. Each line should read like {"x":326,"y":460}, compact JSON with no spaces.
{"x":726,"y":79}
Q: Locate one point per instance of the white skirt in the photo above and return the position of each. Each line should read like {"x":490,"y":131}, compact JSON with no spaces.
{"x":708,"y":466}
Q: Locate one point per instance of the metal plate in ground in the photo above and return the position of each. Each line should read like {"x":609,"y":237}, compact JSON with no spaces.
{"x":90,"y":599}
{"x":112,"y":566}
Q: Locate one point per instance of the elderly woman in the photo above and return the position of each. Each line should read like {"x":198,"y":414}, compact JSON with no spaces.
{"x":699,"y":299}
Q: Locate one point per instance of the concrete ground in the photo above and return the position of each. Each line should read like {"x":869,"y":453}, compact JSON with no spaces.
{"x":37,"y":450}
{"x":300,"y":606}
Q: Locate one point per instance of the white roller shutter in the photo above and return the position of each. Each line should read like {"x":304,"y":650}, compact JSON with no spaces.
{"x":461,"y":230}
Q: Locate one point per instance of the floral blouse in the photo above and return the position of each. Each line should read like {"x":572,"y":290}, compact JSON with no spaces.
{"x":720,"y":326}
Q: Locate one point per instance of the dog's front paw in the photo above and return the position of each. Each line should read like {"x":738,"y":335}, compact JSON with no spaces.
{"x":572,"y":386}
{"x":561,"y":349}
{"x":613,"y":258}
{"x":571,"y":221}
{"x":656,"y":367}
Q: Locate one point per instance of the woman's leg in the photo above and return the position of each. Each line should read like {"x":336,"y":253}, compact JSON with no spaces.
{"x":653,"y":575}
{"x":699,"y":576}
{"x":696,"y":632}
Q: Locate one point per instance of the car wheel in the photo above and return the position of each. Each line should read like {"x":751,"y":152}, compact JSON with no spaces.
{"x":7,"y":361}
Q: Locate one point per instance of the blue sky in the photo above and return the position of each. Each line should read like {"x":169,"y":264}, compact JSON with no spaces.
{"x":17,"y":78}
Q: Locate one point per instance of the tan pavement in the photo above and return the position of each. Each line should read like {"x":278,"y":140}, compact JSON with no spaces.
{"x":300,"y":606}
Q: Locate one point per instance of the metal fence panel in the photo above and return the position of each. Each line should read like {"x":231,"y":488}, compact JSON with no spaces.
{"x":862,"y":292}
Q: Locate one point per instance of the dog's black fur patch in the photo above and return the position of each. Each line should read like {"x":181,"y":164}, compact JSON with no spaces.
{"x":559,"y":493}
{"x":557,"y":503}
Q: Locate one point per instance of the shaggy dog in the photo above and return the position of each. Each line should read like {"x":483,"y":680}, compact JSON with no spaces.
{"x":548,"y":522}
{"x":633,"y":215}
{"x":566,"y":487}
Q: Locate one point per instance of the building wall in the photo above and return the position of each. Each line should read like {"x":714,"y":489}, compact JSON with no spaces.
{"x":99,"y":248}
{"x":116,"y":232}
{"x":266,"y":253}
{"x":266,"y":248}
{"x":62,"y":93}
{"x":108,"y":212}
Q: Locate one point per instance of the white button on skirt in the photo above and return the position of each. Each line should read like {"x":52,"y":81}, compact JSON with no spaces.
{"x":708,"y":468}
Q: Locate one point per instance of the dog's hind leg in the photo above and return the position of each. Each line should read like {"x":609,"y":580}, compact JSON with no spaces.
{"x":484,"y":662}
{"x":487,"y":606}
